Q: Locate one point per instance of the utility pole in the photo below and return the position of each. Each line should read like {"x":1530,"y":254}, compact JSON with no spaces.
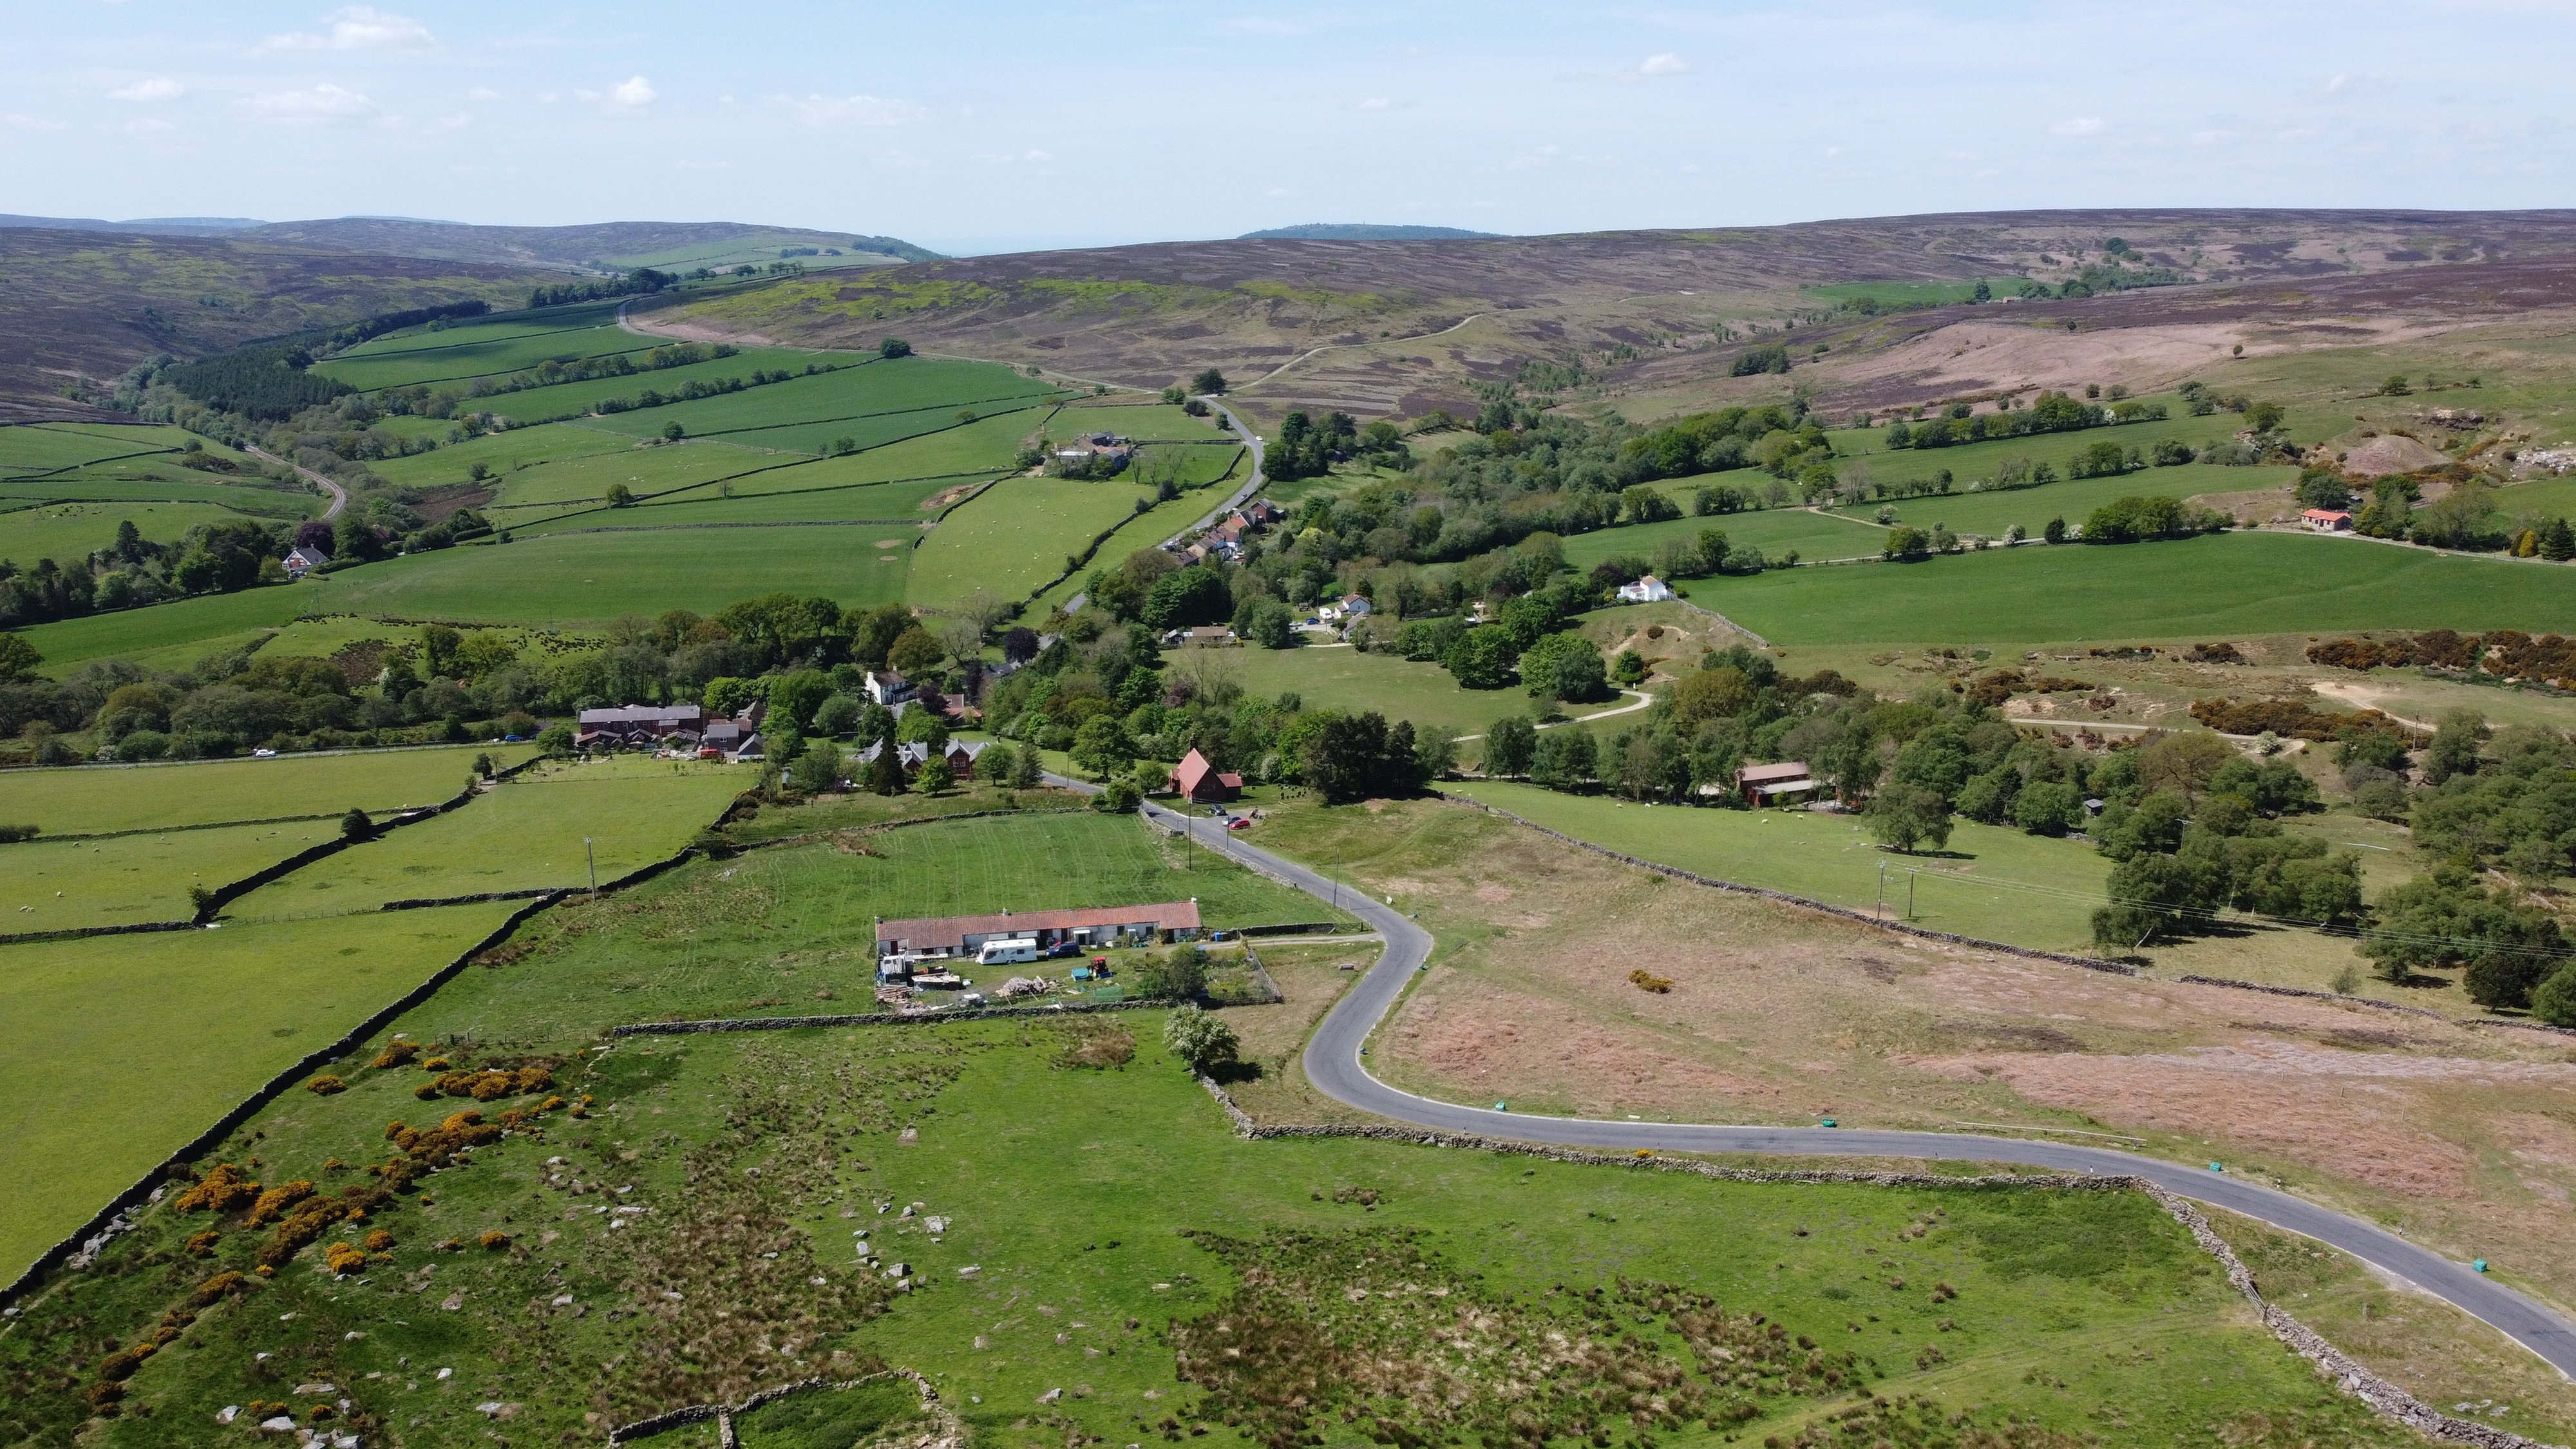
{"x":1879,"y":911}
{"x":593,"y":857}
{"x":1909,"y":894}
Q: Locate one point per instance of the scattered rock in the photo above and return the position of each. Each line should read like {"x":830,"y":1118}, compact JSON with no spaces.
{"x":1050,"y":1396}
{"x":228,"y":1413}
{"x":454,"y":1301}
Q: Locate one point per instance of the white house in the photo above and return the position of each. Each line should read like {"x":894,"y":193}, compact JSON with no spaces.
{"x":1648,"y":590}
{"x":888,"y":687}
{"x":302,"y":561}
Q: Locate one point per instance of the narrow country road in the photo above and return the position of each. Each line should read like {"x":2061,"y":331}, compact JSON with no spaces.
{"x":339,"y":495}
{"x":1333,"y":1063}
{"x":1250,"y":440}
{"x":1643,"y":700}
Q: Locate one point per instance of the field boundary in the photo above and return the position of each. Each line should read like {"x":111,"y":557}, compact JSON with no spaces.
{"x":2089,"y":963}
{"x":423,"y":902}
{"x":86,"y":1240}
{"x":2385,"y":1398}
{"x":83,"y":933}
{"x":176,"y":829}
{"x":224,"y":895}
{"x":884,"y":1018}
{"x":2334,"y":996}
{"x":810,"y":837}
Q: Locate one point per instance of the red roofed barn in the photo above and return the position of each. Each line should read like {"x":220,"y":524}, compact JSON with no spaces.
{"x":1201,"y":783}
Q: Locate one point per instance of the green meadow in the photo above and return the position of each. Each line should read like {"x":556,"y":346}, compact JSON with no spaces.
{"x":1990,"y":513}
{"x":40,"y":448}
{"x":1775,"y":531}
{"x":646,"y":473}
{"x":1145,"y":422}
{"x":217,"y":1012}
{"x":1015,"y":535}
{"x":590,"y":578}
{"x":69,"y":643}
{"x":545,"y":828}
{"x":873,"y":392}
{"x":483,"y":347}
{"x":100,"y":799}
{"x":821,"y":503}
{"x":1339,"y":677}
{"x":68,"y":531}
{"x":577,"y":399}
{"x":1992,"y":882}
{"x":2214,"y":587}
{"x":504,"y":453}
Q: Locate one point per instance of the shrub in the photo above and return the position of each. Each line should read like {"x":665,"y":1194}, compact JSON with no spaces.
{"x":396,"y":1054}
{"x":324,"y":1086}
{"x":1645,"y":980}
{"x":495,"y":1240}
{"x":221,"y":1191}
{"x":120,"y":1365}
{"x":345,"y":1259}
{"x":1096,"y":1046}
{"x":356,"y":826}
{"x":273,"y":1203}
{"x":1200,"y":1040}
{"x":202,"y":1244}
{"x":379,"y":1241}
{"x":223,"y":1285}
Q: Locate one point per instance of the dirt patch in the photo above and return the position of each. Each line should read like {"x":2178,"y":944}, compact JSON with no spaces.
{"x":2390,"y":453}
{"x":947,"y":498}
{"x":1780,"y":1015}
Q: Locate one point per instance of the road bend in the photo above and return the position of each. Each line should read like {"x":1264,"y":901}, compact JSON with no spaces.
{"x":1334,"y":1064}
{"x":339,"y":495}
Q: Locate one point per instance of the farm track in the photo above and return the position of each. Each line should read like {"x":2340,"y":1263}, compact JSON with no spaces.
{"x":1332,"y":1063}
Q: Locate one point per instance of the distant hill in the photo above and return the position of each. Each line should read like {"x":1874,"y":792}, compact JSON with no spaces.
{"x":604,"y":245}
{"x":1362,"y":231}
{"x":80,"y":305}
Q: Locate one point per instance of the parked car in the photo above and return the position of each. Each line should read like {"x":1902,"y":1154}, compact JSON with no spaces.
{"x":263,"y":754}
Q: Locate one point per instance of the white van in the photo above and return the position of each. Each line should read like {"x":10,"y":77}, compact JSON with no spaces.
{"x":1007,"y":953}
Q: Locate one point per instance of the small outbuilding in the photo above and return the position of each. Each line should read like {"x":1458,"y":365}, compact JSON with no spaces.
{"x":1775,"y":784}
{"x":1648,"y":590}
{"x":2327,"y":520}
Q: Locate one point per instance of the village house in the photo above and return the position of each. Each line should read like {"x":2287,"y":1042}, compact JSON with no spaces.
{"x":1262,"y":513}
{"x":960,"y":755}
{"x":302,"y":561}
{"x":1202,"y":783}
{"x":1348,"y":606}
{"x":2327,"y":520}
{"x":1094,"y":453}
{"x":887,"y":687}
{"x":1648,"y":590}
{"x":1773,"y":784}
{"x":902,"y":943}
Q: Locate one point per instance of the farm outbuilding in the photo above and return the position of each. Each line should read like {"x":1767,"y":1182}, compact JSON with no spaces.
{"x":1202,"y":783}
{"x":942,"y":937}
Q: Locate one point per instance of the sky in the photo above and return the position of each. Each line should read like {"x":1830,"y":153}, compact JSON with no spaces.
{"x":985,"y":127}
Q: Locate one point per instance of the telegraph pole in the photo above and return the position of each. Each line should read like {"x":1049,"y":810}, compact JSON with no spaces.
{"x":1909,"y":894}
{"x":593,"y":857}
{"x":1879,"y":911}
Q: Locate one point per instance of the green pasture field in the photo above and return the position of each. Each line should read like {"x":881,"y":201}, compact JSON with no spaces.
{"x":480,"y":347}
{"x":259,"y":497}
{"x":878,"y":430}
{"x":824,"y":503}
{"x":1146,"y":530}
{"x":845,"y":399}
{"x":71,"y":531}
{"x":575,"y":579}
{"x":503,"y":452}
{"x":1015,"y":535}
{"x":646,"y":472}
{"x":1343,"y":678}
{"x":524,"y":834}
{"x":2214,"y":587}
{"x":577,"y":399}
{"x":860,"y":809}
{"x":1775,"y":531}
{"x":1993,"y":882}
{"x":68,"y":643}
{"x":321,"y":638}
{"x":40,"y":448}
{"x":124,"y":880}
{"x":97,"y":799}
{"x":1200,"y":463}
{"x":2073,"y":499}
{"x":1940,"y":294}
{"x":987,"y":447}
{"x":2306,"y":420}
{"x":217,"y":1012}
{"x":2539,"y":498}
{"x":1089,"y":1201}
{"x":1145,"y":422}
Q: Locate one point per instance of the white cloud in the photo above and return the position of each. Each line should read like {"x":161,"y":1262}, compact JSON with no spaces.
{"x":358,"y":27}
{"x":158,"y":88}
{"x":482,"y":93}
{"x":634,"y":92}
{"x":2080,"y":126}
{"x":24,"y":122}
{"x":319,"y":103}
{"x":1663,"y":64}
{"x":855,"y":111}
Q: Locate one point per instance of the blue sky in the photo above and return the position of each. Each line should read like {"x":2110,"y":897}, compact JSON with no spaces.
{"x":1001,"y":126}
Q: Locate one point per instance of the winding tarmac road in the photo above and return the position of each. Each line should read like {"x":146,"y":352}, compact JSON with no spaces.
{"x":1333,"y":1063}
{"x":339,"y":495}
